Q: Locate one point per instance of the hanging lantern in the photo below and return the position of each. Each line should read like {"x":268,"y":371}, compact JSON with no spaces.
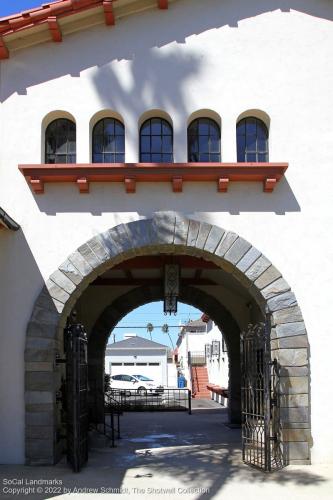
{"x":171,"y":288}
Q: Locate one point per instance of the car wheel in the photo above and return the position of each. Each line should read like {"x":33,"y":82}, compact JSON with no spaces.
{"x":142,"y":391}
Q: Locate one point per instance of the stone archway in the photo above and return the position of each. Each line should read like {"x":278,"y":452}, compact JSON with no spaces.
{"x":121,"y":306}
{"x":164,"y":233}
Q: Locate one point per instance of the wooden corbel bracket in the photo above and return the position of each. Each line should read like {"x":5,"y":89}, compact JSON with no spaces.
{"x":37,"y":185}
{"x":83,"y":184}
{"x":130,"y":184}
{"x":177,"y":184}
{"x":108,"y":12}
{"x":163,"y":4}
{"x":269,"y":185}
{"x":223,"y":184}
{"x":54,"y":29}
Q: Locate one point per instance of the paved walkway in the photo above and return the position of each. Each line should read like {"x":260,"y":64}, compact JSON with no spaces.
{"x":171,"y":455}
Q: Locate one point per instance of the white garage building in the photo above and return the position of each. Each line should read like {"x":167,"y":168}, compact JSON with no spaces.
{"x":138,"y":356}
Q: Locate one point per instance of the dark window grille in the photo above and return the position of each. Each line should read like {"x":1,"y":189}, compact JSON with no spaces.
{"x":156,"y":141}
{"x":252,"y":141}
{"x":60,"y":141}
{"x":108,"y":141}
{"x":204,"y":141}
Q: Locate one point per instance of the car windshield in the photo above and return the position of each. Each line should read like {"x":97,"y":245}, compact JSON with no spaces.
{"x":143,"y":378}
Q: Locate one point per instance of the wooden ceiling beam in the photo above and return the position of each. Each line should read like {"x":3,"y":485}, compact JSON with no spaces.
{"x":157,"y":262}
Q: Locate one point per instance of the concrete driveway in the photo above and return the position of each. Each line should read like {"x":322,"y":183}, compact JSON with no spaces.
{"x":168,"y":455}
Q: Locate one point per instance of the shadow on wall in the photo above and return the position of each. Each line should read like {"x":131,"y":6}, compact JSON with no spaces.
{"x":111,"y":197}
{"x":124,"y":45}
{"x":20,"y":285}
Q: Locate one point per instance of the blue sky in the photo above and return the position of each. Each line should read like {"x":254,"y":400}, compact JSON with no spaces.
{"x":153,"y":313}
{"x":8,"y":7}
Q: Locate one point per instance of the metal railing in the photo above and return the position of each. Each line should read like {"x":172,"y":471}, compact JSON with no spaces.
{"x":165,"y":399}
{"x":196,"y":358}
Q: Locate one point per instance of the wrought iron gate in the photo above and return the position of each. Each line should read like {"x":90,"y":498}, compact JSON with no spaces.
{"x":76,"y":396}
{"x":260,"y":400}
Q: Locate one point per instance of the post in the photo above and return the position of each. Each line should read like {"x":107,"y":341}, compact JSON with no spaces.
{"x":267,"y":391}
{"x":189,"y":402}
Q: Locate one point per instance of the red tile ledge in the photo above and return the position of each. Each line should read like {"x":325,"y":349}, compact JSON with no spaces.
{"x":82,"y":174}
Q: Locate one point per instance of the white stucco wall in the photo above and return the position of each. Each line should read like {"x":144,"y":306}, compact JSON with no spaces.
{"x":224,"y":56}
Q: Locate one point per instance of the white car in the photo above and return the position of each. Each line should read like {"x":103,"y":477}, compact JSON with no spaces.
{"x":140,"y":383}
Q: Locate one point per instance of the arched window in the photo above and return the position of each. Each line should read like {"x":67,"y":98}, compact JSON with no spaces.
{"x":60,"y":141}
{"x":204,"y":141}
{"x":156,"y":141}
{"x":252,"y":140}
{"x":108,"y":141}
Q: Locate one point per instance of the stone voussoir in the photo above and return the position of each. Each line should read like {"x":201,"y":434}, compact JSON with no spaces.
{"x":57,"y":292}
{"x":80,"y":263}
{"x":203,"y":234}
{"x":258,"y":268}
{"x":294,"y":385}
{"x":276,"y":288}
{"x":288,"y":315}
{"x":193,"y":232}
{"x":292,"y":357}
{"x":60,"y":279}
{"x":271,"y":274}
{"x":227,"y":241}
{"x":281,"y":301}
{"x":71,"y":272}
{"x":215,"y":235}
{"x":237,"y":250}
{"x":248,"y":259}
{"x":290,"y":329}
{"x":181,"y":230}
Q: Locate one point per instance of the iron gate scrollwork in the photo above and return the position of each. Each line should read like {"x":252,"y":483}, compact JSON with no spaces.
{"x":260,"y":400}
{"x":76,"y":396}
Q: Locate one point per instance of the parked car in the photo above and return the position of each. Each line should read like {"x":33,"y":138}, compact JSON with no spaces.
{"x":140,"y":383}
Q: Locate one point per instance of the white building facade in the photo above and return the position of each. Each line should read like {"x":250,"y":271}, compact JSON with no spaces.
{"x":262,"y":234}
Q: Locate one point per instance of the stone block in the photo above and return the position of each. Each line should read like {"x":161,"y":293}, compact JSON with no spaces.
{"x":289,"y":342}
{"x":257,"y":268}
{"x":267,"y":277}
{"x":292,"y":357}
{"x":89,"y":256}
{"x":139,"y":233}
{"x":298,"y":451}
{"x":277,"y":287}
{"x":40,"y":432}
{"x":40,"y":408}
{"x":237,"y":250}
{"x":63,"y":281}
{"x":39,"y":397}
{"x":80,"y":263}
{"x":181,"y":230}
{"x":101,"y":251}
{"x":40,"y":366}
{"x":39,"y":449}
{"x":120,"y":235}
{"x":39,"y":381}
{"x":294,"y":400}
{"x":294,"y":371}
{"x":71,"y":272}
{"x":39,"y":418}
{"x":300,"y":414}
{"x":215,"y":235}
{"x":39,"y":355}
{"x":290,"y":329}
{"x":44,"y":300}
{"x":37,"y":329}
{"x":162,"y":229}
{"x":296,"y":435}
{"x":56,"y":292}
{"x":227,"y":241}
{"x":282,"y":301}
{"x":289,"y":315}
{"x":248,"y":259}
{"x":39,"y":343}
{"x":193,"y":232}
{"x":294,"y":385}
{"x":203,"y":234}
{"x":44,"y":316}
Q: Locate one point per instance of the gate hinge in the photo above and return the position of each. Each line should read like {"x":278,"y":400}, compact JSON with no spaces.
{"x":59,"y":360}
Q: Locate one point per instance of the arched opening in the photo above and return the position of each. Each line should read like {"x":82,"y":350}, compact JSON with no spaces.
{"x":222,"y":274}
